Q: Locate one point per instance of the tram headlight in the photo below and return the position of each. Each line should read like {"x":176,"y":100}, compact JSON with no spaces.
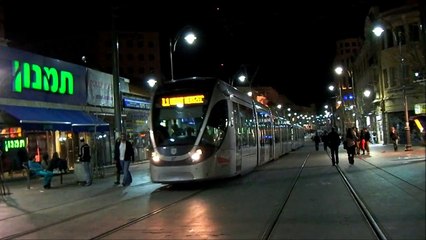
{"x":155,"y":157}
{"x":196,"y":156}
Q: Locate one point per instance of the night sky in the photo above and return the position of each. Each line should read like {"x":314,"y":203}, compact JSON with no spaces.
{"x":287,"y":45}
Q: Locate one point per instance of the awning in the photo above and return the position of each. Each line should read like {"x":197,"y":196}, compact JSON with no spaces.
{"x":32,"y":118}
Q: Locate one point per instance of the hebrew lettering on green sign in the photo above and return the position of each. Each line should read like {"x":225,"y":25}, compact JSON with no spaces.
{"x":32,"y":76}
{"x":13,"y":144}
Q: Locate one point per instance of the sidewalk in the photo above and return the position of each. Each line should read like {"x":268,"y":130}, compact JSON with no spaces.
{"x":18,"y":181}
{"x":387,"y":151}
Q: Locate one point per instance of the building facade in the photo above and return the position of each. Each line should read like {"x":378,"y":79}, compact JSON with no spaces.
{"x":47,"y":104}
{"x":343,"y":99}
{"x":138,"y":56}
{"x":392,"y":66}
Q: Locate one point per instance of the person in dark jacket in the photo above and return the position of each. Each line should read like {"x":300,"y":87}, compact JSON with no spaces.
{"x":350,"y":143}
{"x":317,"y":140}
{"x":124,"y":153}
{"x":395,"y":138}
{"x":85,"y":157}
{"x":334,"y":143}
{"x":57,"y":163}
{"x":365,"y":141}
{"x":324,"y":140}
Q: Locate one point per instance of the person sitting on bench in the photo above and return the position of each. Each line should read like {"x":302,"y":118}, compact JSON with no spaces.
{"x":40,"y":171}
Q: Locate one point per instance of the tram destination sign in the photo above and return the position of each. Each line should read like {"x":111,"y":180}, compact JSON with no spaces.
{"x":181,"y":101}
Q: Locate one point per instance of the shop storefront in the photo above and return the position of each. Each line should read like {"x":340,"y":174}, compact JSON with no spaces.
{"x":136,"y":109}
{"x":43,"y":109}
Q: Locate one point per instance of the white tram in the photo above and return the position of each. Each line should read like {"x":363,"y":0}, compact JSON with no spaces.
{"x":204,"y":129}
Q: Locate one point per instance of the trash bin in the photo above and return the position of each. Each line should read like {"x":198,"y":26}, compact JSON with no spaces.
{"x":79,"y":172}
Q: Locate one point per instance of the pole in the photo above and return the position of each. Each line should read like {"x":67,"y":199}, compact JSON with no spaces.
{"x":171,"y":58}
{"x":408,"y":146}
{"x":116,"y":79}
{"x":333,"y":121}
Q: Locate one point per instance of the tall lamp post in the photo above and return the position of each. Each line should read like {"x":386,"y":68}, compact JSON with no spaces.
{"x":333,"y":121}
{"x":348,"y":97}
{"x":378,"y":32}
{"x":189,"y":38}
{"x":116,"y":78}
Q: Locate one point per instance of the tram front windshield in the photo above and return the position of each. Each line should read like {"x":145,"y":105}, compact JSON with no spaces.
{"x":174,"y":126}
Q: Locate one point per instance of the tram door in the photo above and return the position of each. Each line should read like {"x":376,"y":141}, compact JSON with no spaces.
{"x":238,"y":137}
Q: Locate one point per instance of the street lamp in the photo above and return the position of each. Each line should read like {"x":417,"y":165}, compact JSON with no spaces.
{"x":348,"y":96}
{"x":189,"y":38}
{"x":378,"y":32}
{"x":241,"y":78}
{"x":337,"y":103}
{"x":151,"y":82}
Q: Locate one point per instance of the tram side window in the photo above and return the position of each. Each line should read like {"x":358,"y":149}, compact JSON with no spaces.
{"x":262,"y":127}
{"x":216,"y":124}
{"x":248,"y":138}
{"x":278,"y":130}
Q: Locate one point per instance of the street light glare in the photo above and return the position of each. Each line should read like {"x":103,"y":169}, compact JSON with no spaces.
{"x":242,"y":78}
{"x":190,"y":38}
{"x":367,"y":93}
{"x":338,"y":70}
{"x":378,"y":31}
{"x":152,"y":82}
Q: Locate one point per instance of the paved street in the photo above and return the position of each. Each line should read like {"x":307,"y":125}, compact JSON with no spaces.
{"x":23,"y":209}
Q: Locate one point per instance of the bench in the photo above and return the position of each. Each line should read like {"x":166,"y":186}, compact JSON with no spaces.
{"x":29,"y":174}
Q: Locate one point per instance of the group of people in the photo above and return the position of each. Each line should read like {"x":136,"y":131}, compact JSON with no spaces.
{"x":45,"y":167}
{"x":354,"y":142}
{"x":123,"y":156}
{"x":330,"y":140}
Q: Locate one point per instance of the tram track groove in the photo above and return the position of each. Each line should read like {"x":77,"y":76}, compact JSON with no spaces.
{"x":270,"y":228}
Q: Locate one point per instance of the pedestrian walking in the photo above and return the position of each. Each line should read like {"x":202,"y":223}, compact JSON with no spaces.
{"x":118,"y":169}
{"x":85,"y":158}
{"x":317,"y":140}
{"x":324,"y":140}
{"x":358,"y":145}
{"x":350,"y":145}
{"x":334,"y":143}
{"x":365,"y":141}
{"x":124,"y":153}
{"x":395,"y":138}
